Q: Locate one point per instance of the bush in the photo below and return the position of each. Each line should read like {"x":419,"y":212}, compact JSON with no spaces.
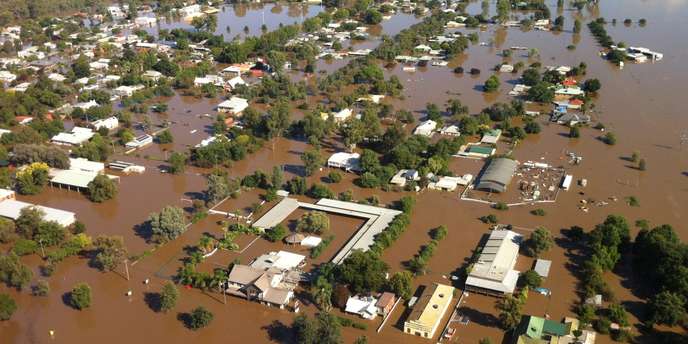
{"x":319,"y":191}
{"x":102,"y":188}
{"x":80,"y":297}
{"x":334,"y":177}
{"x":165,"y":137}
{"x":530,"y":279}
{"x":439,"y":233}
{"x":501,"y":206}
{"x":7,"y":307}
{"x":574,"y":132}
{"x":24,"y":247}
{"x":609,"y":138}
{"x":200,"y":318}
{"x":538,"y":212}
{"x":41,"y":288}
{"x":168,"y":297}
{"x":276,"y":233}
{"x":491,"y":219}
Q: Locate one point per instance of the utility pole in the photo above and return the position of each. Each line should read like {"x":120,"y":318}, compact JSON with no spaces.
{"x":126,"y":267}
{"x":42,"y":250}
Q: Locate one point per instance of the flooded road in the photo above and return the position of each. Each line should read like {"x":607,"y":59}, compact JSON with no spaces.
{"x":642,"y":104}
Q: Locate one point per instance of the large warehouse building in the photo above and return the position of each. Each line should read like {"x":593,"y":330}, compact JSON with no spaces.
{"x":497,"y":175}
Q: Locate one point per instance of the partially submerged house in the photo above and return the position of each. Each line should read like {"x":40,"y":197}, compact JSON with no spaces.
{"x":233,"y":106}
{"x":11,"y":208}
{"x":350,"y":162}
{"x":426,"y":128}
{"x":404,"y":176}
{"x":269,"y":287}
{"x":537,"y":330}
{"x":364,"y":306}
{"x":75,"y":137}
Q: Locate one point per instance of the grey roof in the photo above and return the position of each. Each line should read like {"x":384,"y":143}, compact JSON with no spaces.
{"x":542,"y":267}
{"x":498,"y":174}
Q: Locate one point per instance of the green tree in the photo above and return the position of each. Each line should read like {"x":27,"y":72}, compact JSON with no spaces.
{"x":609,"y":138}
{"x":576,"y":26}
{"x":81,"y":68}
{"x":530,"y":278}
{"x":372,"y":17}
{"x":13,"y":272}
{"x":541,"y":92}
{"x":503,"y":7}
{"x":277,"y":177}
{"x":364,"y":272}
{"x":492,"y":84}
{"x":509,"y":309}
{"x":80,"y":297}
{"x":400,"y":284}
{"x":101,"y":189}
{"x":539,"y":242}
{"x":28,"y":221}
{"x":574,"y":132}
{"x":177,"y":163}
{"x":7,"y":307}
{"x":168,"y":297}
{"x":168,"y":224}
{"x":200,"y":318}
{"x":276,"y":233}
{"x":313,"y":222}
{"x":322,"y":294}
{"x":666,"y":308}
{"x":218,"y":188}
{"x":591,"y":85}
{"x":110,"y":252}
{"x":165,"y":137}
{"x":312,"y":161}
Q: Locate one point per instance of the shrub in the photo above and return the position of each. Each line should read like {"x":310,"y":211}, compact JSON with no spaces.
{"x":276,"y":233}
{"x":538,"y":212}
{"x":530,"y":279}
{"x":334,"y":177}
{"x":7,"y":307}
{"x":501,"y":206}
{"x":609,"y":138}
{"x":491,"y":219}
{"x":24,"y":247}
{"x":200,"y":318}
{"x":80,"y":297}
{"x":41,"y":288}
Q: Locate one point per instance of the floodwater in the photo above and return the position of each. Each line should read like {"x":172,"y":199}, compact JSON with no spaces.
{"x":232,"y":19}
{"x":641,"y":104}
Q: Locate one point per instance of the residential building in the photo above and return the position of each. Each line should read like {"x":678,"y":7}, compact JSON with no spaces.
{"x":11,"y":208}
{"x":346,"y":161}
{"x":493,"y":273}
{"x":426,"y":128}
{"x":140,"y":141}
{"x":75,"y":137}
{"x":428,"y":312}
{"x":492,"y":136}
{"x":537,"y":330}
{"x":364,"y":306}
{"x":108,"y":123}
{"x":404,"y":176}
{"x":385,"y":303}
{"x":233,"y":106}
{"x":270,"y":287}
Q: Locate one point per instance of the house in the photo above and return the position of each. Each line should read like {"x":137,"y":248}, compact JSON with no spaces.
{"x":23,"y":120}
{"x":209,"y":79}
{"x":189,"y":11}
{"x":537,"y":330}
{"x":569,"y":92}
{"x":506,"y":68}
{"x":145,"y":21}
{"x":75,"y":137}
{"x":404,"y":176}
{"x":57,"y":77}
{"x":127,"y":91}
{"x":140,"y":141}
{"x":107,"y":123}
{"x":428,"y":312}
{"x":233,"y":106}
{"x":493,"y":273}
{"x":235,"y":81}
{"x":364,"y":306}
{"x":346,"y":161}
{"x":7,"y":77}
{"x":450,"y":130}
{"x":385,"y":303}
{"x":86,"y":105}
{"x":21,"y":88}
{"x":447,"y":183}
{"x":75,"y":178}
{"x":270,"y":287}
{"x":426,"y":128}
{"x":342,"y":115}
{"x":153,"y":75}
{"x":85,"y":165}
{"x":236,"y":69}
{"x":492,"y":136}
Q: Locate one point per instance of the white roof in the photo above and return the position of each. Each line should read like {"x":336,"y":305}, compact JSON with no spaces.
{"x":74,"y":178}
{"x":77,"y":136}
{"x":12,"y":208}
{"x":82,"y":164}
{"x":282,"y":260}
{"x":363,"y":306}
{"x":542,"y":267}
{"x":234,"y":104}
{"x":311,"y":241}
{"x":495,"y":267}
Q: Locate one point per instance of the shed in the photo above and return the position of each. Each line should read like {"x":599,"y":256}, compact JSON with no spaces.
{"x":498,"y":175}
{"x":542,"y":267}
{"x":11,"y":209}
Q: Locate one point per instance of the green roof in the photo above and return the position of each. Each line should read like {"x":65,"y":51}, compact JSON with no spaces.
{"x":554,"y":328}
{"x":537,"y":327}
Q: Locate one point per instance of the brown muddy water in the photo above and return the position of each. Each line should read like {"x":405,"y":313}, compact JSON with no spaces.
{"x":642,"y":104}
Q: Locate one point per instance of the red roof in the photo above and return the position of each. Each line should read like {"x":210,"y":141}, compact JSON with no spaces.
{"x":576,"y":102}
{"x":570,"y":82}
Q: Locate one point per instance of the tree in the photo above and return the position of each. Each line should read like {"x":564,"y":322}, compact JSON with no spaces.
{"x":666,"y":308}
{"x":541,"y":92}
{"x":13,"y":273}
{"x":540,"y":241}
{"x":28,"y":221}
{"x":372,"y":17}
{"x":531,"y":77}
{"x":609,"y":138}
{"x":364,"y":272}
{"x":617,"y":314}
{"x":101,"y":189}
{"x":276,"y":233}
{"x":492,"y":84}
{"x":532,"y":127}
{"x":530,"y":278}
{"x":322,"y":294}
{"x":200,"y":318}
{"x":80,"y":297}
{"x":81,"y":68}
{"x":576,"y":26}
{"x":32,"y":179}
{"x":206,"y":23}
{"x":218,"y":188}
{"x":306,"y":331}
{"x":277,"y":177}
{"x":642,"y":165}
{"x":591,"y":85}
{"x":168,"y":224}
{"x":509,"y":309}
{"x":110,"y":252}
{"x":177,"y":163}
{"x":312,"y":160}
{"x":361,"y":340}
{"x":329,"y":328}
{"x":400,"y":284}
{"x":574,"y":132}
{"x":165,"y":137}
{"x":503,"y":7}
{"x":7,"y":307}
{"x":314,"y":222}
{"x":168,"y":297}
